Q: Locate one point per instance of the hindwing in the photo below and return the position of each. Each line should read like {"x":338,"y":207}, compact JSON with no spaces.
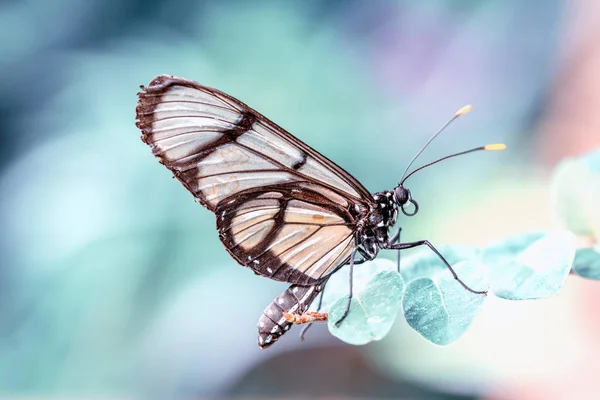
{"x":291,"y":233}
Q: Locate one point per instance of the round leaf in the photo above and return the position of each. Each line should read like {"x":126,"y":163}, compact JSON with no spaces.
{"x":505,"y":251}
{"x":373,"y":310}
{"x":575,"y":192}
{"x":587,"y":263}
{"x":338,"y":285}
{"x":439,"y":308}
{"x":530,"y":266}
{"x":425,"y":263}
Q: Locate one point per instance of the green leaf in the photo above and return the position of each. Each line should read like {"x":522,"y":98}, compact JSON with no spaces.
{"x":587,"y":263}
{"x":575,"y":194}
{"x":530,"y":266}
{"x":439,"y":308}
{"x":373,"y":310}
{"x":338,"y":286}
{"x":425,"y":263}
{"x":505,"y":251}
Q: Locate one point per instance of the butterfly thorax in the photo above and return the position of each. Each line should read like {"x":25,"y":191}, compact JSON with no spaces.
{"x":386,"y":213}
{"x":382,"y":216}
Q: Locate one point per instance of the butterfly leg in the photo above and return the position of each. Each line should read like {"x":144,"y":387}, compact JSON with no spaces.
{"x":351,"y":275}
{"x":410,"y":245}
{"x":306,"y":327}
{"x":396,"y":239}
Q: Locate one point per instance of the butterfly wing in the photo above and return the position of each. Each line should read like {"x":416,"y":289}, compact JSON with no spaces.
{"x":290,"y":232}
{"x":282,"y":208}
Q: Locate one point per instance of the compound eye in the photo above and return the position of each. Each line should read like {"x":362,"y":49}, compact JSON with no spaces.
{"x":401,"y":194}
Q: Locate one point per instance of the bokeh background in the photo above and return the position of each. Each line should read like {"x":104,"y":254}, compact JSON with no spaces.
{"x":113,"y":282}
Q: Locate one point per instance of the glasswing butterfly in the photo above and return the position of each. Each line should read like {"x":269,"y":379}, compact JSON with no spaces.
{"x":282,"y":208}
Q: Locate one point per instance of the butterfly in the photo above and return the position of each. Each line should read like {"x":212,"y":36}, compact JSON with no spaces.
{"x":282,"y":209}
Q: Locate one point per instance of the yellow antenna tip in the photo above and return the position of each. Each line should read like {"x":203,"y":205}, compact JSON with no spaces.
{"x":464,"y":110}
{"x":497,"y":146}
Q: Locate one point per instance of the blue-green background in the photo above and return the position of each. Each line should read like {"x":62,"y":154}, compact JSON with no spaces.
{"x":113,"y":280}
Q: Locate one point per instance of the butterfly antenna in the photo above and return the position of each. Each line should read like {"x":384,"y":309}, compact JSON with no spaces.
{"x":460,"y":112}
{"x":487,"y":147}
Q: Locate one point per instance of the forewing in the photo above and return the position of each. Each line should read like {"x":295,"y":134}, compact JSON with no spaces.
{"x":296,"y":232}
{"x":218,"y":147}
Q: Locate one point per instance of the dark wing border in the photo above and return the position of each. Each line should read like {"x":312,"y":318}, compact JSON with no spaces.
{"x":150,"y":98}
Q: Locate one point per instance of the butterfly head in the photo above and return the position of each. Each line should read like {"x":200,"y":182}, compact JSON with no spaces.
{"x":402,"y":195}
{"x":404,"y":200}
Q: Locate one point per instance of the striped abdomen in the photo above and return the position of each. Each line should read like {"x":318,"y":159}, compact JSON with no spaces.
{"x":295,"y":299}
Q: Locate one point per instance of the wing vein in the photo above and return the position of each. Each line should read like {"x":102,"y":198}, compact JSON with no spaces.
{"x":198,"y":102}
{"x":330,"y":250}
{"x":193,"y":116}
{"x":282,"y":262}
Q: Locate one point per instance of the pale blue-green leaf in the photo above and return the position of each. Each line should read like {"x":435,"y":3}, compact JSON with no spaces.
{"x":530,"y":266}
{"x":439,"y":308}
{"x":506,"y":250}
{"x":587,"y":263}
{"x":373,"y":310}
{"x":338,"y":285}
{"x":425,"y":263}
{"x":575,"y":194}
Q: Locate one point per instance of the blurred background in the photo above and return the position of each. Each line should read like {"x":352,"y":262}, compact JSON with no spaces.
{"x":113,"y":282}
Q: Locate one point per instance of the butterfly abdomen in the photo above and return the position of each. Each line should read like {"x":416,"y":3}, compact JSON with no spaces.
{"x":295,"y":299}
